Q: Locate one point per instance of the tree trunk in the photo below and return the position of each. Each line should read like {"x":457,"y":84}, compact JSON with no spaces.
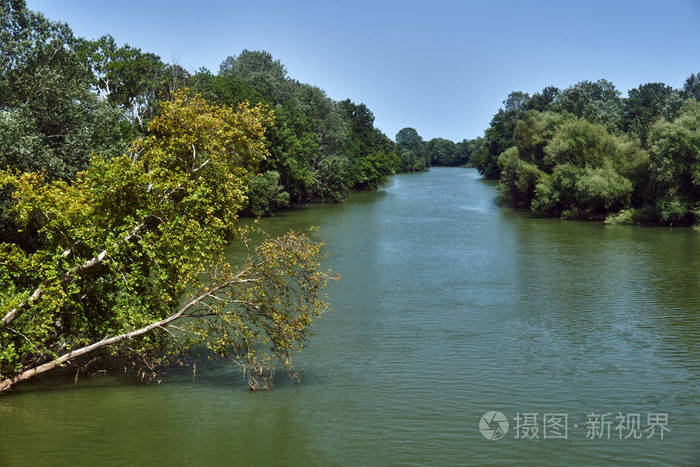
{"x":25,"y":375}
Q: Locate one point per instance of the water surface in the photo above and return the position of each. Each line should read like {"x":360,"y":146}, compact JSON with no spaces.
{"x":449,"y":306}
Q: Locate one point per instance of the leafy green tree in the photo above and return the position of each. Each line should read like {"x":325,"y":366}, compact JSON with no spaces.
{"x":518,"y":178}
{"x":260,"y":70}
{"x":532,"y":134}
{"x":472,"y":151}
{"x":332,"y":179}
{"x":584,"y":144}
{"x":691,"y":87}
{"x":646,"y":104}
{"x":130,"y":237}
{"x":582,"y":152}
{"x":252,"y":63}
{"x":499,"y":135}
{"x":581,"y":192}
{"x":130,"y":79}
{"x":411,"y":150}
{"x":224,"y":89}
{"x":674,"y":150}
{"x":265,"y":194}
{"x":50,"y":119}
{"x":370,"y":151}
{"x":572,"y":168}
{"x":597,"y":102}
{"x":544,"y":100}
{"x":315,"y":140}
{"x":442,"y":152}
{"x":372,"y":171}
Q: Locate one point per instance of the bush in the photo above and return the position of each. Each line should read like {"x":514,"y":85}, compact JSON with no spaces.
{"x":675,"y":166}
{"x":600,"y":191}
{"x":331,"y":179}
{"x":518,"y":178}
{"x":265,"y":194}
{"x":575,"y":192}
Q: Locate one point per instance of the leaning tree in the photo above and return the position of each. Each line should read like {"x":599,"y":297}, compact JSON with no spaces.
{"x":132,"y":260}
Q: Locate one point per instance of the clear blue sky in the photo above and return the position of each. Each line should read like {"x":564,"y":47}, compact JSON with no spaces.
{"x":442,"y":67}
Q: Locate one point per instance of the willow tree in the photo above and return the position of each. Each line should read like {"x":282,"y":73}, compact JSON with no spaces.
{"x":132,"y":261}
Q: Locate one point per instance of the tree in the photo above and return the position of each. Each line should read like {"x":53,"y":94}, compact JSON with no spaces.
{"x":499,"y":135}
{"x":332,"y":179}
{"x":597,"y":102}
{"x":442,"y":152}
{"x":130,"y":79}
{"x":647,"y":103}
{"x":50,"y":119}
{"x":251,"y":63}
{"x":411,"y":150}
{"x":581,"y":192}
{"x":691,"y":87}
{"x":674,"y":150}
{"x":469,"y":151}
{"x":265,"y":74}
{"x":320,"y":148}
{"x":544,"y":100}
{"x":131,"y":236}
{"x":518,"y":178}
{"x":266,"y":195}
{"x":532,"y":134}
{"x":224,"y":89}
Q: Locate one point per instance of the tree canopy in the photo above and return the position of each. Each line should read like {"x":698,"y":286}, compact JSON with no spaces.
{"x":129,"y":237}
{"x":587,"y":153}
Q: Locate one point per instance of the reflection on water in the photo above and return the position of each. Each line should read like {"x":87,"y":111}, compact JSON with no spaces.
{"x":450,"y":305}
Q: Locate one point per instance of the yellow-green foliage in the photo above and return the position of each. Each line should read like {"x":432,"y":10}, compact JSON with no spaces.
{"x":130,"y":236}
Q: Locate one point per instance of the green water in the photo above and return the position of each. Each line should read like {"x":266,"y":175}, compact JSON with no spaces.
{"x":449,"y":306}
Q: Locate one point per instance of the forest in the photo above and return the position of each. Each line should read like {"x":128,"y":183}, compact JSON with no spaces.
{"x":66,"y":99}
{"x":587,"y":153}
{"x":122,"y":179}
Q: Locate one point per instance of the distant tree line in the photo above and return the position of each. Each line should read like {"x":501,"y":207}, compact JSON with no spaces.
{"x":585,"y":152}
{"x":417,"y":155}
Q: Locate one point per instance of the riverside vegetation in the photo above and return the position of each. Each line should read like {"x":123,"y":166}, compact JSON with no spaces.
{"x":123,"y":178}
{"x":587,"y":153}
{"x":122,"y":181}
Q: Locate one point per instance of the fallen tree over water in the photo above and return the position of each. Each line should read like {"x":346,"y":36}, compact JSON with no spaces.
{"x":131,"y":236}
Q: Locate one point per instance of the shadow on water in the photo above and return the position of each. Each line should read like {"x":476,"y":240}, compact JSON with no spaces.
{"x":206,"y":371}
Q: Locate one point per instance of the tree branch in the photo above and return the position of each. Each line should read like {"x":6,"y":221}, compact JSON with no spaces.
{"x":25,"y":375}
{"x":67,"y":277}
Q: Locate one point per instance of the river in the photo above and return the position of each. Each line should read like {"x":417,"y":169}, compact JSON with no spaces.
{"x":450,"y":306}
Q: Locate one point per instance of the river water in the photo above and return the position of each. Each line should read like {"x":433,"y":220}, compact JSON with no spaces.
{"x":450,"y":306}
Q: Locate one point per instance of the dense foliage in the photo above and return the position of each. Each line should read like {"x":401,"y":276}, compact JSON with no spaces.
{"x":129,"y":237}
{"x":320,"y":149}
{"x":64,"y":99}
{"x":587,"y":153}
{"x":120,"y":189}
